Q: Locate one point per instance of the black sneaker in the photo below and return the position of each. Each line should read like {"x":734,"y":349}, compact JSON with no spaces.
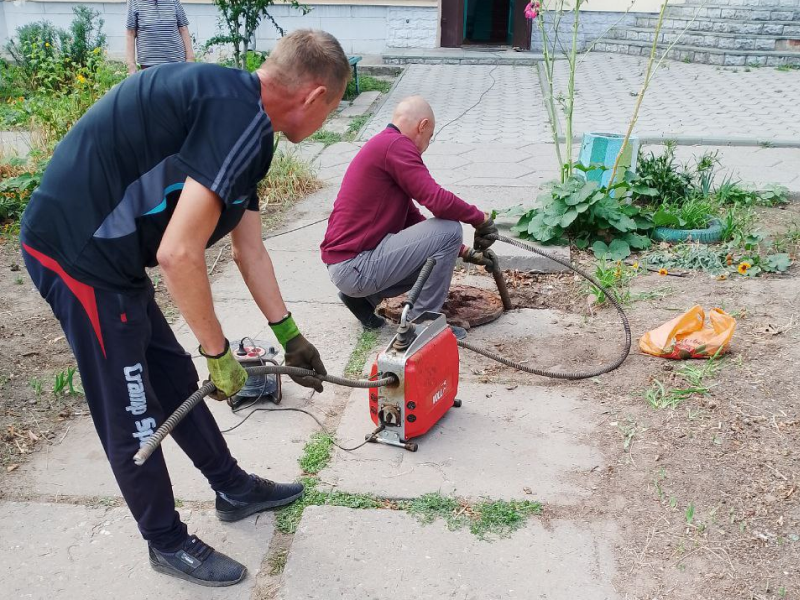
{"x":199,"y":563}
{"x":363,"y":311}
{"x":459,"y":332}
{"x":263,"y":495}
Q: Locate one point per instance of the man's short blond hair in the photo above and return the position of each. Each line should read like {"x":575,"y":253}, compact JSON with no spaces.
{"x":310,"y":56}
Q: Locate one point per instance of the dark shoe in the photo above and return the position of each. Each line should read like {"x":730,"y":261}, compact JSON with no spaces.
{"x":459,"y":332}
{"x":363,"y":311}
{"x":263,"y":495}
{"x":199,"y":563}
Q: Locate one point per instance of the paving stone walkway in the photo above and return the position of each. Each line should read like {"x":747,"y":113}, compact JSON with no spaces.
{"x":697,"y":101}
{"x":504,"y":96}
{"x":525,"y":442}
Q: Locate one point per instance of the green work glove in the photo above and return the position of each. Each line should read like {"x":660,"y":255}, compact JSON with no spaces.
{"x":299,"y":352}
{"x":483,"y":230}
{"x":225,"y":372}
{"x":476,"y":257}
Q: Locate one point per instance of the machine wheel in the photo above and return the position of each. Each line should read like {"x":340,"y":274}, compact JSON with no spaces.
{"x":412,"y":446}
{"x":457,"y":403}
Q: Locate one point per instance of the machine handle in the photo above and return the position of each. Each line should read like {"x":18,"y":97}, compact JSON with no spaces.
{"x":420,"y":283}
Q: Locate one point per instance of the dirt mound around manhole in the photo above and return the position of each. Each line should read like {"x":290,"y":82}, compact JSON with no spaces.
{"x":470,"y":306}
{"x":466,"y":306}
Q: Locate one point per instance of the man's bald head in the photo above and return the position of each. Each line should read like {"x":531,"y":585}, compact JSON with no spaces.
{"x":414,"y":117}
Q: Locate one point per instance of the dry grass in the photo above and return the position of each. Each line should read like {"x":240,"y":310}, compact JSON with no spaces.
{"x":290,"y":178}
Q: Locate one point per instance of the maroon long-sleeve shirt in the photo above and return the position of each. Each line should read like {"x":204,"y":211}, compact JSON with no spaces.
{"x":377,"y":193}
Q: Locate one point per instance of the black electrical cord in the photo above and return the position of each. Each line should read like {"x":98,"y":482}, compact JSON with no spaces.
{"x":463,"y":113}
{"x":154,"y":441}
{"x":310,"y":414}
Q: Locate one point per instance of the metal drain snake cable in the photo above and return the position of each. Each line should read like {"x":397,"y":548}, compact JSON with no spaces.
{"x":547,"y":372}
{"x":154,"y":441}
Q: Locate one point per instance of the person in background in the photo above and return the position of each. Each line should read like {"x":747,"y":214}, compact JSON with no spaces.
{"x":158,"y":33}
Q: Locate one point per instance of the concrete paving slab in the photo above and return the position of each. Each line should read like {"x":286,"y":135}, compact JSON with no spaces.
{"x":302,"y":277}
{"x":268,"y":444}
{"x":307,"y":239}
{"x":381,"y":555}
{"x":512,"y":257}
{"x":496,"y":445}
{"x":15,"y":143}
{"x":361,"y":105}
{"x":64,"y":551}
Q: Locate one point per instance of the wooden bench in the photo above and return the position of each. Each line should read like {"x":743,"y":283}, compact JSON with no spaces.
{"x":354,"y":60}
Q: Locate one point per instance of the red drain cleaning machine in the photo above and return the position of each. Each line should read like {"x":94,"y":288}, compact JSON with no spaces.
{"x":423,"y":356}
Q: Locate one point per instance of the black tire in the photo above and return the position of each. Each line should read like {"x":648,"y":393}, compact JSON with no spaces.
{"x":457,"y":403}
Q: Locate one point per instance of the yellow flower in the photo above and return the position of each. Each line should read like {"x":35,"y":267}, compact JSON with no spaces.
{"x":722,"y":277}
{"x":743,"y":267}
{"x":96,"y":51}
{"x":47,"y":44}
{"x":662,"y":272}
{"x":635,"y":266}
{"x":81,"y":78}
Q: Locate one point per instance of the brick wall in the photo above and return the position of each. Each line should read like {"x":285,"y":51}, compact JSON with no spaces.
{"x":412,"y":27}
{"x":592,"y":26}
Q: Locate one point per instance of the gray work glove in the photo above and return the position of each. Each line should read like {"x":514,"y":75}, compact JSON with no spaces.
{"x":483,"y":259}
{"x":483,"y":230}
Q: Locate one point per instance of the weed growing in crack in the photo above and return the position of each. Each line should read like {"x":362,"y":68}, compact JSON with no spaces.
{"x":366,"y":342}
{"x":277,"y":562}
{"x":316,"y":454}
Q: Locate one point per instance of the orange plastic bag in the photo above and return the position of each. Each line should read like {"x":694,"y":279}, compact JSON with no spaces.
{"x":687,"y":336}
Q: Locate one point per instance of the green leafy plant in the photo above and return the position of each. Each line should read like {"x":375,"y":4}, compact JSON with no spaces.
{"x":612,"y":275}
{"x":18,"y":179}
{"x":85,"y":36}
{"x":586,"y":213}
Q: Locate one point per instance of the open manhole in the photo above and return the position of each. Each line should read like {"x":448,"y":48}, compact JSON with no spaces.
{"x":466,"y":306}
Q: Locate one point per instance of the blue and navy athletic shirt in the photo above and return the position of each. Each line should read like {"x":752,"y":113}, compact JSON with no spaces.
{"x":111,"y":187}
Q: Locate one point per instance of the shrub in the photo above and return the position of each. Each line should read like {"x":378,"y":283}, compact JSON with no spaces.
{"x":18,"y":179}
{"x":86,"y":35}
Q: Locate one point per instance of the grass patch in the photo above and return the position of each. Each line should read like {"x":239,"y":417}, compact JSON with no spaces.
{"x":356,"y":123}
{"x":366,"y":342}
{"x":326,"y":137}
{"x":501,"y":518}
{"x":486,"y":519}
{"x":660,"y":396}
{"x":490,"y":518}
{"x":289,"y":179}
{"x":367,"y":83}
{"x":316,"y":454}
{"x":287,"y":519}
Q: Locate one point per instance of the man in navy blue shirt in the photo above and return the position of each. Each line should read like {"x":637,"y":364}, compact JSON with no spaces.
{"x":160,"y":168}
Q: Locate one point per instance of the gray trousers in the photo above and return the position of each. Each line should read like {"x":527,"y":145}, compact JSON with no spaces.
{"x":393,"y":266}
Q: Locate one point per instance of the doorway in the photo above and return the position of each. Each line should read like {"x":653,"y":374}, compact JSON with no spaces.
{"x":476,"y":23}
{"x":486,"y":22}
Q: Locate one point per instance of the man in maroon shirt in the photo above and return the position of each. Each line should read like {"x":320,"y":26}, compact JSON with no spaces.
{"x":377,"y":240}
